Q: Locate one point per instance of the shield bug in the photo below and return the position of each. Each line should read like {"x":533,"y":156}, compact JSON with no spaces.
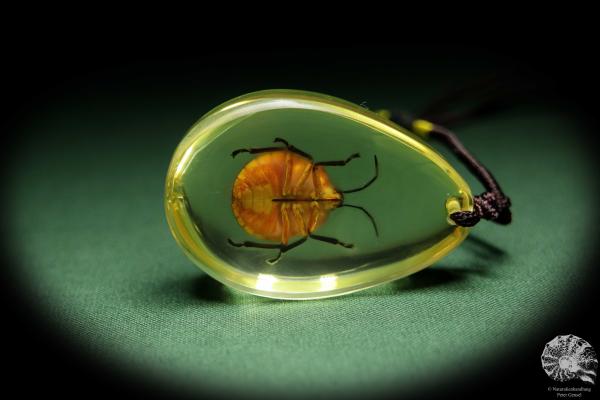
{"x":283,"y":193}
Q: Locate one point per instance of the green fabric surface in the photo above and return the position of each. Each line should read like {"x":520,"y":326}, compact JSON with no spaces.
{"x":97,"y":257}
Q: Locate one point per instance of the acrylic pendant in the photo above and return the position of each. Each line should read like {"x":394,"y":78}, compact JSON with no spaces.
{"x":321,"y":197}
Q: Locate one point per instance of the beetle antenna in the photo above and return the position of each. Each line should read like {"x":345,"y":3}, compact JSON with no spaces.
{"x":367,"y":214}
{"x":366,"y":185}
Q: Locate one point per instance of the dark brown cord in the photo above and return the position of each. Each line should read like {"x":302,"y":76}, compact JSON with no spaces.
{"x":492,"y":204}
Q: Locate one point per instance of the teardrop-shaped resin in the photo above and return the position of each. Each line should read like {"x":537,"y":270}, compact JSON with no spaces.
{"x":278,"y":196}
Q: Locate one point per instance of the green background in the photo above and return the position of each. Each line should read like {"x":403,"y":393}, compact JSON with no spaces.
{"x":87,"y":225}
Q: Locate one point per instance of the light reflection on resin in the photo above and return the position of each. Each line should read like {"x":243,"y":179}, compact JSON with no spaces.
{"x":286,"y":199}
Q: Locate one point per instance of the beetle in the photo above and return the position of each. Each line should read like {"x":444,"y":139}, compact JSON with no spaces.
{"x":283,"y":193}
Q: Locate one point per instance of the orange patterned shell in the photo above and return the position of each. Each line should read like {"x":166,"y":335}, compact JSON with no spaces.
{"x":304,"y":194}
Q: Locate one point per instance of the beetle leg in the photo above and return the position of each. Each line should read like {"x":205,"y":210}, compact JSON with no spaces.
{"x":280,"y":140}
{"x":314,"y":220}
{"x":282,"y":247}
{"x":368,"y":214}
{"x":293,"y":149}
{"x":285,"y":248}
{"x":255,"y":150}
{"x":366,"y":185}
{"x":331,"y":240}
{"x":255,"y":244}
{"x":340,"y":163}
{"x":274,"y":261}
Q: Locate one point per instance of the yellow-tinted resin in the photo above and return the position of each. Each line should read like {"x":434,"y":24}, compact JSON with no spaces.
{"x":410,"y":201}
